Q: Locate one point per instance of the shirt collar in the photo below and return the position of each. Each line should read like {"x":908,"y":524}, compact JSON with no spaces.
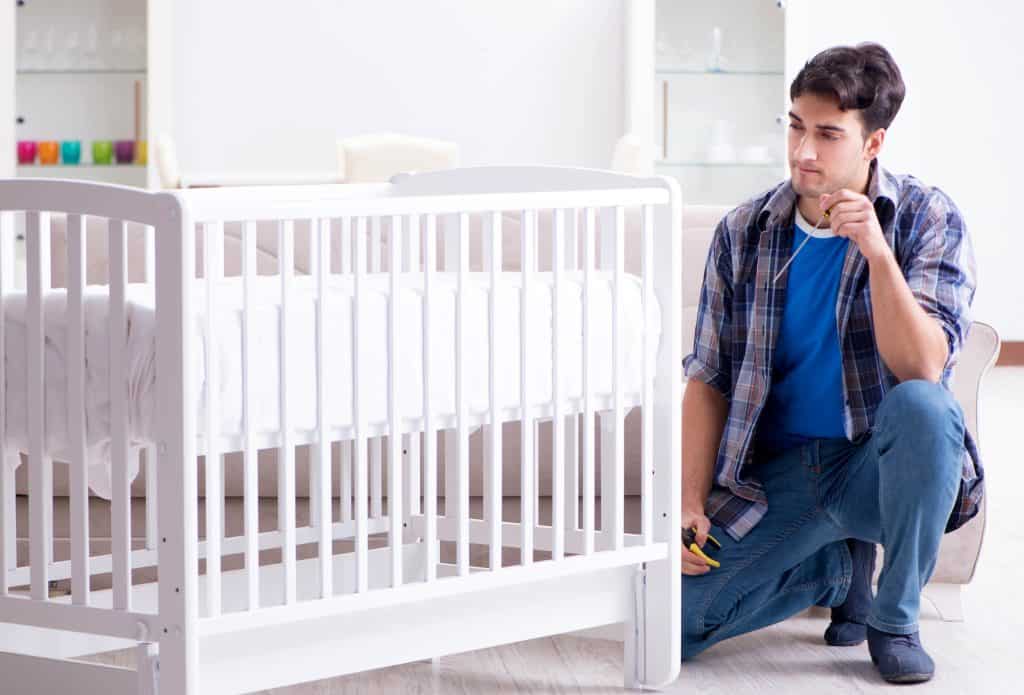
{"x":778,"y":210}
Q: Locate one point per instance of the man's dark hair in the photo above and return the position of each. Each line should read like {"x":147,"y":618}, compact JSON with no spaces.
{"x":862,"y":77}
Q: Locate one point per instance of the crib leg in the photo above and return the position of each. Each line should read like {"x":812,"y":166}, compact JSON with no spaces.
{"x":633,"y":637}
{"x":147,"y":668}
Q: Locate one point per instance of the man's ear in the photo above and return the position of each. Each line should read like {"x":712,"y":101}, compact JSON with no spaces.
{"x":873,"y":145}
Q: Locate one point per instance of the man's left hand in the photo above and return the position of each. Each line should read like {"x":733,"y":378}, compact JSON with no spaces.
{"x":853,"y":216}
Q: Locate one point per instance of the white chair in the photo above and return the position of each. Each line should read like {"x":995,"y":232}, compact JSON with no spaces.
{"x":633,"y":156}
{"x":376,"y":157}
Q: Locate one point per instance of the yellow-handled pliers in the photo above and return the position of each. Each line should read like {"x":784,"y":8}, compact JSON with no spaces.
{"x":690,"y":543}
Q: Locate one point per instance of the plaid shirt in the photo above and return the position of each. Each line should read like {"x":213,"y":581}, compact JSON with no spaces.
{"x":741,"y":311}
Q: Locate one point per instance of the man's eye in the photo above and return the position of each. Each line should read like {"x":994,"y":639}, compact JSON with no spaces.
{"x":794,"y":126}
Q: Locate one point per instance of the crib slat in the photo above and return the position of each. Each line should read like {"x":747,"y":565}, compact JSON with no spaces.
{"x":213,"y":271}
{"x":79,"y":501}
{"x":572,"y":458}
{"x":588,"y":383}
{"x":346,"y":481}
{"x":647,"y":407}
{"x":429,"y":430}
{"x":37,"y":249}
{"x":462,"y":399}
{"x":411,"y":442}
{"x":251,"y":457}
{"x":413,"y":481}
{"x":527,"y":459}
{"x":376,"y":445}
{"x":493,"y":496}
{"x":313,"y":458}
{"x":395,"y":460}
{"x":450,"y":264}
{"x":558,"y":408}
{"x":346,"y":245}
{"x":8,"y":536}
{"x":412,"y":249}
{"x":120,"y":503}
{"x":286,"y":453}
{"x":618,"y":367}
{"x":358,"y":413}
{"x":320,"y":247}
{"x":376,"y":478}
{"x":375,"y":244}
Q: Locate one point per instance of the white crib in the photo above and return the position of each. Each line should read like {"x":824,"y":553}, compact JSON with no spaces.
{"x":295,"y":620}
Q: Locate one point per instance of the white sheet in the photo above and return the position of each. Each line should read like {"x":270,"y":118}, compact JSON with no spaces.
{"x":264,"y":372}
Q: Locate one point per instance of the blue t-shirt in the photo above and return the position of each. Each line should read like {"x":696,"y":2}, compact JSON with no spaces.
{"x":805,"y":400}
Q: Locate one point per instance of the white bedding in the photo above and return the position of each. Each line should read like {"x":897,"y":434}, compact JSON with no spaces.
{"x":264,"y":372}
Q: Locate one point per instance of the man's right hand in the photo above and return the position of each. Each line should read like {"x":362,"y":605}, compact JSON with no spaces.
{"x":692,"y":563}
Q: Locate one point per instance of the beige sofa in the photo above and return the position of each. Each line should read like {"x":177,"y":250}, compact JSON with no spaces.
{"x":959,"y":551}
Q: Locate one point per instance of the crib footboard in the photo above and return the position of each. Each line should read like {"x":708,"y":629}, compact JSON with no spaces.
{"x":522,"y":319}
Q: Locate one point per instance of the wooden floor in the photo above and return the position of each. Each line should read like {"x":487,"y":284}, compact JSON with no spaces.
{"x":982,"y":655}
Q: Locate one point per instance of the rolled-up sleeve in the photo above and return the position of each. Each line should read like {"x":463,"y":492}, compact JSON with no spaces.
{"x":711,"y":359}
{"x":940,"y":270}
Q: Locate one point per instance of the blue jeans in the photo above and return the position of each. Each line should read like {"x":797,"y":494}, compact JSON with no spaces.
{"x":895,"y":487}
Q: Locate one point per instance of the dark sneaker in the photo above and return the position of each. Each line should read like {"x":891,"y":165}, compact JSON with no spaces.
{"x":899,"y":658}
{"x":849,"y":619}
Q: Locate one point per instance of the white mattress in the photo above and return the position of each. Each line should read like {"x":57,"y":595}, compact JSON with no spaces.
{"x":301,"y":369}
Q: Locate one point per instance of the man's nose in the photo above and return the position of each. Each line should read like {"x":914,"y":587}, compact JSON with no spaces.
{"x":805,"y":150}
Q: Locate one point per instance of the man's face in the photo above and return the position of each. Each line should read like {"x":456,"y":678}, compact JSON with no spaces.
{"x":827,"y":148}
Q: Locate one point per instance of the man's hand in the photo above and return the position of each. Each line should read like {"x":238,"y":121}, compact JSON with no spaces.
{"x":694,"y":564}
{"x":853,"y":216}
{"x":910,"y":342}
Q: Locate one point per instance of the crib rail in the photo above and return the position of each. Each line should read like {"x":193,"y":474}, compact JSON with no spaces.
{"x":572,"y":228}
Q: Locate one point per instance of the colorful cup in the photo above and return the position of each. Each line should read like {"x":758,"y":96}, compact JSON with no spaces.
{"x":124,"y":151}
{"x":49,"y":152}
{"x":141,"y":152}
{"x":102,"y":150}
{"x":71,"y":151}
{"x":27,"y":151}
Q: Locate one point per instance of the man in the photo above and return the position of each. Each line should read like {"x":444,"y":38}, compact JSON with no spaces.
{"x":817,"y":419}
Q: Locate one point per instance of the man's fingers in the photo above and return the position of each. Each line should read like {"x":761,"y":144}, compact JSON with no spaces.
{"x":845,"y":206}
{"x":703,"y":528}
{"x":827,"y":200}
{"x":847,"y":217}
{"x":693,"y":564}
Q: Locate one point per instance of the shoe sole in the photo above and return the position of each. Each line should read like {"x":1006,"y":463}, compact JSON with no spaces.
{"x":905,"y":677}
{"x":909,"y":678}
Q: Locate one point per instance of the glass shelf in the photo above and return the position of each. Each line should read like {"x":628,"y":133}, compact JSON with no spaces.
{"x":718,"y":165}
{"x":679,"y":70}
{"x":82,"y":71}
{"x":84,"y":165}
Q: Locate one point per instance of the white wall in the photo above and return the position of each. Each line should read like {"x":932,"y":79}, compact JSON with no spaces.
{"x":261,"y":86}
{"x":959,"y":127}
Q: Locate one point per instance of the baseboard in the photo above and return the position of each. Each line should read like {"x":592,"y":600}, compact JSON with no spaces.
{"x":1011,"y":354}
